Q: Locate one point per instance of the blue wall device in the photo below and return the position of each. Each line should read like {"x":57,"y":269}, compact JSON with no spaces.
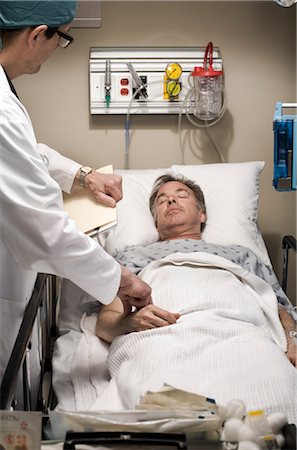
{"x":285,"y":148}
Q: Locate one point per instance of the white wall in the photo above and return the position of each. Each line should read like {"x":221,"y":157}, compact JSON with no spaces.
{"x":258,"y":46}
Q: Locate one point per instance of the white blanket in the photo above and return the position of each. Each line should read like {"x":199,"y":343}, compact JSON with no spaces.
{"x":228,"y":342}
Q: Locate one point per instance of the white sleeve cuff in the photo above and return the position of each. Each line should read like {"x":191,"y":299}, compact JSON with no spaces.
{"x":61,"y":168}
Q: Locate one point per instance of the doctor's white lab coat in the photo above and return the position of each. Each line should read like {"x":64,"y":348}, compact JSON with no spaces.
{"x":36,"y":234}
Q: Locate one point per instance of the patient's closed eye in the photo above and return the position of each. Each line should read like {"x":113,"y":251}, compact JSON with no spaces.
{"x":164,"y":198}
{"x":161,"y":199}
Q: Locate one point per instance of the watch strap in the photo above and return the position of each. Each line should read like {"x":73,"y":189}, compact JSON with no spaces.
{"x":84,"y":171}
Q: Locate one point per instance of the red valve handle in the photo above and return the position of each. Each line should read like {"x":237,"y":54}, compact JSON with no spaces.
{"x":209,"y":50}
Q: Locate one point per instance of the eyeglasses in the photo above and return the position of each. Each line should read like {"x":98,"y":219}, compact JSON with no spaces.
{"x":65,"y":39}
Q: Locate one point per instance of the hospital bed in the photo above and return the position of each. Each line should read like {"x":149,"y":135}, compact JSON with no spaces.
{"x":231,"y":193}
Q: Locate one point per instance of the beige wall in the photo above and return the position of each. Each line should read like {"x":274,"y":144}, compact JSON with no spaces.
{"x":258,"y":46}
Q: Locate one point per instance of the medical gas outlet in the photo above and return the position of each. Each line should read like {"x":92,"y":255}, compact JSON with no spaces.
{"x":143,"y":80}
{"x":172,"y":85}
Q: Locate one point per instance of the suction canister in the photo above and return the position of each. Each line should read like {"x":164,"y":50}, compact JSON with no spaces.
{"x":208,"y":88}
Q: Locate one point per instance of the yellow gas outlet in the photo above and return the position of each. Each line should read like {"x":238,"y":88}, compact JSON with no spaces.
{"x":172,"y":86}
{"x":171,"y":89}
{"x":173,"y":71}
{"x":165,"y":93}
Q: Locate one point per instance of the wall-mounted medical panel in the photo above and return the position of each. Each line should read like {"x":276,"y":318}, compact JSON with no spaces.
{"x":115,"y":74}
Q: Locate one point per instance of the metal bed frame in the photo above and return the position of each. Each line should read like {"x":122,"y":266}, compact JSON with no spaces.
{"x":288,"y":243}
{"x":41,"y":307}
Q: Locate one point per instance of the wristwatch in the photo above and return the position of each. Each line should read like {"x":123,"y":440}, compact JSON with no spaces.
{"x":84,"y":171}
{"x":293,"y":334}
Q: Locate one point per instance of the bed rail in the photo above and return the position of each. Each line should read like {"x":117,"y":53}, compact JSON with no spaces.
{"x":42,"y":296}
{"x":288,"y":243}
{"x":128,"y":440}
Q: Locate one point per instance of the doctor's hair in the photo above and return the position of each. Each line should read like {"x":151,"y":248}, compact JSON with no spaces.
{"x":50,"y":32}
{"x":163,"y":179}
{"x":10,"y":34}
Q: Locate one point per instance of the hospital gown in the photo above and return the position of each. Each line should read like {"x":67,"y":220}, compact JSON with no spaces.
{"x":138,"y":256}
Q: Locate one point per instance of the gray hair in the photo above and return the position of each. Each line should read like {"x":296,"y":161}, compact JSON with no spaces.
{"x":163,"y":179}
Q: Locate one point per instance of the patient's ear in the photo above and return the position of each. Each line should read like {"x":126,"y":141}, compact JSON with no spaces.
{"x":203,"y":216}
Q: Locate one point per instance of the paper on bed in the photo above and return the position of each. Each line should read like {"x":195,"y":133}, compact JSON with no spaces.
{"x":171,"y":398}
{"x":88,"y":214}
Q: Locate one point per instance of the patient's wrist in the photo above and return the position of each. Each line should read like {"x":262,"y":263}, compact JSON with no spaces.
{"x":292,"y":335}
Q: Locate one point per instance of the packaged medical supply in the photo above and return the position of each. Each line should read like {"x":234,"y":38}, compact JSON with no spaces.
{"x":20,"y":430}
{"x":168,"y":397}
{"x":259,"y":424}
{"x":158,"y":421}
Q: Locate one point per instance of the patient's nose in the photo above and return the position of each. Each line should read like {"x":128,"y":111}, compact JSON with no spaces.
{"x":171,"y":200}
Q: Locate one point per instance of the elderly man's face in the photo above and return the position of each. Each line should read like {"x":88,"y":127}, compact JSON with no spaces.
{"x":177,"y":211}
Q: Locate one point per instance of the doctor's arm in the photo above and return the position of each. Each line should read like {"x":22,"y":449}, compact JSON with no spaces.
{"x":112,"y":322}
{"x":106,"y":188}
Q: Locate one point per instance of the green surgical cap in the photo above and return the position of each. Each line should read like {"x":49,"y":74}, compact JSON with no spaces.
{"x":26,"y":13}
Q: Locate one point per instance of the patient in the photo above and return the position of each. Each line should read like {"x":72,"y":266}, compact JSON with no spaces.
{"x":178,"y":207}
{"x":214,"y":327}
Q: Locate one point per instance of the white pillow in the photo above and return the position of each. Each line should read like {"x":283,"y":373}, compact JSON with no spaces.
{"x":135,"y":224}
{"x":231,"y":195}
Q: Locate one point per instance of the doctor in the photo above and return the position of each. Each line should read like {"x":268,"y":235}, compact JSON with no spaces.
{"x":36,"y":234}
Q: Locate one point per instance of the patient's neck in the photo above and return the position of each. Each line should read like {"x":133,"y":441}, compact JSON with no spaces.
{"x":196,"y":236}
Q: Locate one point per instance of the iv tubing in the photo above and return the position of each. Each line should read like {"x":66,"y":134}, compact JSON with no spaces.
{"x":198,"y":122}
{"x":127,"y":121}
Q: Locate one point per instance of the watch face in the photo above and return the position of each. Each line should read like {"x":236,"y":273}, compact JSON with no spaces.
{"x":173,"y":71}
{"x":85,"y":170}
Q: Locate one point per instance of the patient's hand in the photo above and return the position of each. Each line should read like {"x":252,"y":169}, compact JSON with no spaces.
{"x":289,"y":326}
{"x":292,"y":351}
{"x":149,"y":317}
{"x":112,"y":321}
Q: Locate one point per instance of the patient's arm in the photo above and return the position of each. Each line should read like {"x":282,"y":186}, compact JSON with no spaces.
{"x":289,"y":326}
{"x":112,"y":322}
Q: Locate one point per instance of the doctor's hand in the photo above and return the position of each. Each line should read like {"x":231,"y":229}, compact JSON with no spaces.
{"x":105,"y":188}
{"x":149,"y":317}
{"x":133,"y":291}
